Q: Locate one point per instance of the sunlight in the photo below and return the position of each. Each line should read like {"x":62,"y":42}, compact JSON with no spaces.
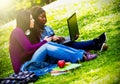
{"x":5,"y":3}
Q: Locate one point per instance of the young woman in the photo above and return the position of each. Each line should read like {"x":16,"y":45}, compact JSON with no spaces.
{"x":22,"y":50}
{"x":43,"y":30}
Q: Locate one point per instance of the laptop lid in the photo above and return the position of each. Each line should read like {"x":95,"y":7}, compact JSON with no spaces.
{"x":73,"y":27}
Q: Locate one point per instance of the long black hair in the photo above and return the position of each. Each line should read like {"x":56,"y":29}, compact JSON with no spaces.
{"x":36,"y":11}
{"x":38,"y":28}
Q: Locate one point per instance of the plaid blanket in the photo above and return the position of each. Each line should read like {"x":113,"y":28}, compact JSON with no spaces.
{"x":23,"y":77}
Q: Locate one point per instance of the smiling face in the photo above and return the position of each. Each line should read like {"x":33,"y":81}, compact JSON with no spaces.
{"x":42,"y":18}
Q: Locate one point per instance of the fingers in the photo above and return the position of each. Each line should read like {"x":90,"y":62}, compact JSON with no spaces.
{"x":47,"y":38}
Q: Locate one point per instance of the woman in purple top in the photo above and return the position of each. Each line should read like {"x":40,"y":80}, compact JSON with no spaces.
{"x":20,"y":47}
{"x":22,"y":50}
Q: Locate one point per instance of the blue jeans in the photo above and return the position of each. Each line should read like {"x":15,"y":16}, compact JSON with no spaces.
{"x":85,"y":45}
{"x":57,"y":51}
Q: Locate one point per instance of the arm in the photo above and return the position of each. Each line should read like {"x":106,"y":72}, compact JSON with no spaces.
{"x":24,"y":41}
{"x":51,"y":33}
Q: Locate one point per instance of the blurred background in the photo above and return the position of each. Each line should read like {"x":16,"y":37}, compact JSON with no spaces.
{"x":8,"y":8}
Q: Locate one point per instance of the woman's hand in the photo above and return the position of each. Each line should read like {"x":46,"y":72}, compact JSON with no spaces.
{"x":48,"y":39}
{"x":58,"y":39}
{"x":55,"y":38}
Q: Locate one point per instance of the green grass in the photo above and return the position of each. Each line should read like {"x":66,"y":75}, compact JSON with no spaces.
{"x":94,"y":17}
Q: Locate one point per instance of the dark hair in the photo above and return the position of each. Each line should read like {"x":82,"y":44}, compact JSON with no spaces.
{"x":36,"y":11}
{"x":23,"y":19}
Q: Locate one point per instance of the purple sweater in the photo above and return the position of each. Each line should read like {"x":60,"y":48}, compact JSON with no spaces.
{"x":21,"y":49}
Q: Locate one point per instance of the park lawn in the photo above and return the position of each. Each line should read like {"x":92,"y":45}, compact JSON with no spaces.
{"x":94,"y":17}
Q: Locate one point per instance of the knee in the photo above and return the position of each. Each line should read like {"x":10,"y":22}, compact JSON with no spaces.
{"x":47,"y":45}
{"x":44,"y":45}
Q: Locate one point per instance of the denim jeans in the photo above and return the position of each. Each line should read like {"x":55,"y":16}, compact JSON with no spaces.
{"x":85,"y":45}
{"x":57,"y":51}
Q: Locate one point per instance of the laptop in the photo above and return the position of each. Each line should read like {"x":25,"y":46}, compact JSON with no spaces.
{"x":73,"y":29}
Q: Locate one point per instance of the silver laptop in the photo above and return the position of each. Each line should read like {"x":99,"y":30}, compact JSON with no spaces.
{"x":73,"y":29}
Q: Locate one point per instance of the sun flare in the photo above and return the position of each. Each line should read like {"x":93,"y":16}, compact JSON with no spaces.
{"x":5,"y":3}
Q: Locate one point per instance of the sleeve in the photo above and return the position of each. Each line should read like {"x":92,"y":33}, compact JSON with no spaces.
{"x":24,"y":41}
{"x":49,"y":30}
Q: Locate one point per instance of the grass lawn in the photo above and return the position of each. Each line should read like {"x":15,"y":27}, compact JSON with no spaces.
{"x":94,"y":17}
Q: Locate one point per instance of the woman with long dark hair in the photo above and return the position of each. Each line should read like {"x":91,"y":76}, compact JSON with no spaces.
{"x":39,"y":15}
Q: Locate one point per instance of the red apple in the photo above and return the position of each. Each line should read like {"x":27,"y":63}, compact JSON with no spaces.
{"x":61,"y":63}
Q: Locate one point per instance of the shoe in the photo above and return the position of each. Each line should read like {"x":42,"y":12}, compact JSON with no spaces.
{"x":89,"y":56}
{"x":101,"y":38}
{"x":100,"y":42}
{"x":103,"y":47}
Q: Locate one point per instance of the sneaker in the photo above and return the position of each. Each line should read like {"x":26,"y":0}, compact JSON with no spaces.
{"x":100,"y":42}
{"x":103,"y":47}
{"x":89,"y":56}
{"x":101,"y":38}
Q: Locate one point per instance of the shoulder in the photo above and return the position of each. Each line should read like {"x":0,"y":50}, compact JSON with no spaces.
{"x":17,"y":31}
{"x":48,"y":27}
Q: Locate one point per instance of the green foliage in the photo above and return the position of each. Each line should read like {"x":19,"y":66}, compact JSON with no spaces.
{"x":5,"y":62}
{"x":94,"y":17}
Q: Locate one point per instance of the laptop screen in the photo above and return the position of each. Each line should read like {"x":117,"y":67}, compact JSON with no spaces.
{"x":73,"y":27}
